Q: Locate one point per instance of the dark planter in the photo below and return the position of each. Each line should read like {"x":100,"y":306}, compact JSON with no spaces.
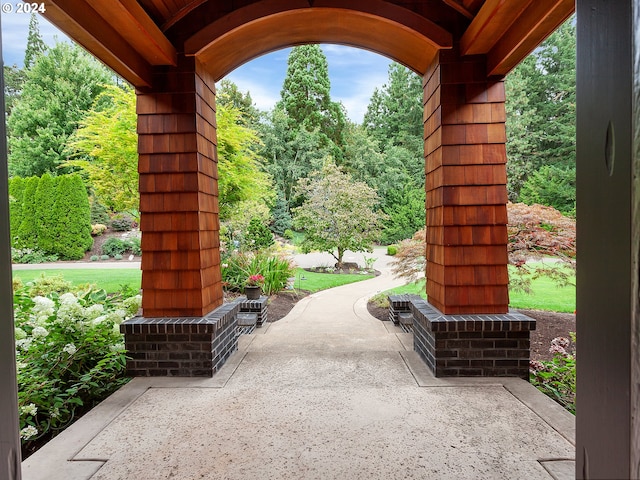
{"x":252,"y":292}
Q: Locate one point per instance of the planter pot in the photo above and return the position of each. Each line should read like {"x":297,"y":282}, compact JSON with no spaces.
{"x":252,"y":292}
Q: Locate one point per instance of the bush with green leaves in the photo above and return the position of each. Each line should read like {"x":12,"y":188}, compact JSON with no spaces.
{"x":118,"y":246}
{"x":70,"y":354}
{"x":31,"y":255}
{"x":552,"y":186}
{"x":16,"y":194}
{"x":557,"y":378}
{"x":73,"y":214}
{"x":99,"y":213}
{"x":122,"y":223}
{"x":258,"y":235}
{"x":239,"y":266}
{"x":27,"y":232}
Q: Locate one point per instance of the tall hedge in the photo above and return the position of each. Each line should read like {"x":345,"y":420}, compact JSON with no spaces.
{"x":45,"y":216}
{"x":28,"y":230}
{"x":16,"y":193}
{"x":73,"y":215}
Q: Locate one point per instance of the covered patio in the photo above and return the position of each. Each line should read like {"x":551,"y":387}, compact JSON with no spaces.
{"x":174,"y":52}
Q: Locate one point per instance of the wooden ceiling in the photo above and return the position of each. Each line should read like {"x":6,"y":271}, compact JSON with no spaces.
{"x":134,"y":37}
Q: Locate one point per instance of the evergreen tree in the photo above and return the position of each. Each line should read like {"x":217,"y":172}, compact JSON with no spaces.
{"x":28,"y":230}
{"x":45,"y":217}
{"x":60,"y":88}
{"x":305,"y":95}
{"x":16,"y":196}
{"x":281,"y":215}
{"x":14,"y":79}
{"x":73,"y":215}
{"x":228,"y":95}
{"x":35,"y":45}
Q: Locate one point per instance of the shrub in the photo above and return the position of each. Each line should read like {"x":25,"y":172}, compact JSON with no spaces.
{"x":16,"y":194}
{"x":552,"y":186}
{"x":117,"y":256}
{"x":237,"y":267}
{"x":94,"y":258}
{"x":557,"y":378}
{"x":392,"y":250}
{"x":113,"y":246}
{"x":98,"y":229}
{"x":258,"y":235}
{"x":104,"y":257}
{"x":288,"y":233}
{"x":134,"y":246}
{"x":99,"y":213}
{"x":70,"y":354}
{"x":45,"y":215}
{"x":30,"y":255}
{"x":72,"y":210}
{"x":122,"y":223}
{"x":27,"y":233}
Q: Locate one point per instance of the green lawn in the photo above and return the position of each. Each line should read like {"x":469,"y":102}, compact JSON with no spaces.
{"x":111,"y":279}
{"x":314,"y":282}
{"x":108,"y":279}
{"x":546,"y":295}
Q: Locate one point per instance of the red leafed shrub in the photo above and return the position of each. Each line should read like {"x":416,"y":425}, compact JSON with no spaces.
{"x":535,"y":232}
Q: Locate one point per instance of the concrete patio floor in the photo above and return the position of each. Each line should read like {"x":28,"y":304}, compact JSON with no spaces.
{"x":328,"y":392}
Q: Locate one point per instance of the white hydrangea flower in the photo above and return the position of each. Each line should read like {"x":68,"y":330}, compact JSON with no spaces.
{"x":54,"y":413}
{"x":39,"y":332}
{"x":70,"y":348}
{"x":24,"y":344}
{"x":68,"y":298}
{"x":43,"y":307}
{"x":100,"y":319}
{"x":118,"y":347}
{"x":20,"y":334}
{"x":30,"y":409}
{"x":70,"y":312}
{"x":28,"y":432}
{"x":132,"y":304}
{"x":94,"y":311}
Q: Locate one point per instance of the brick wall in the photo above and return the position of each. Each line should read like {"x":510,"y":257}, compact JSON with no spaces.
{"x":472,"y":345}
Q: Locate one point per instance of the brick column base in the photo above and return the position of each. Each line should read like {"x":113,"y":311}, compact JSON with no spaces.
{"x":496,"y":345}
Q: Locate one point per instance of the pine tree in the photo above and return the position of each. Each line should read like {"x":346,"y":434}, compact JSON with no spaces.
{"x":45,"y":216}
{"x":28,"y":230}
{"x":35,"y":45}
{"x":281,"y":215}
{"x":305,"y":95}
{"x":73,"y":215}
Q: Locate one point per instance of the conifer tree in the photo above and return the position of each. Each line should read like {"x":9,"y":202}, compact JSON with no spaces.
{"x":45,"y":216}
{"x":73,"y":215}
{"x":28,"y":230}
{"x":16,"y":194}
{"x":35,"y":45}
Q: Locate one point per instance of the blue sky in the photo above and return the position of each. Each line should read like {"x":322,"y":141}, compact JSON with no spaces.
{"x":354,"y":73}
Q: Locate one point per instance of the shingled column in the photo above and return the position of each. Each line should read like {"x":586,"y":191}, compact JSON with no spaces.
{"x":179,"y":194}
{"x":466,"y":187}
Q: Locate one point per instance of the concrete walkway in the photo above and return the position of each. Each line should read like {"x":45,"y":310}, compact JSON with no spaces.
{"x":328,"y":392}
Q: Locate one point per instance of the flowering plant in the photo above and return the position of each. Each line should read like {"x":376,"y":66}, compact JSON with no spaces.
{"x":255,"y":280}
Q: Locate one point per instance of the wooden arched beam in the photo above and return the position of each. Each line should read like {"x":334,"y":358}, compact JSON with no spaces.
{"x":261,"y":28}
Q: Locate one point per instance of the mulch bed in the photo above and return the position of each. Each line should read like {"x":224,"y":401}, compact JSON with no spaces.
{"x":549,"y":325}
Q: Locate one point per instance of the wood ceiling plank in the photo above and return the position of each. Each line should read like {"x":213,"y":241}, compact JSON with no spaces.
{"x":458,"y":7}
{"x":138,"y":29}
{"x":82,"y":23}
{"x":535,"y":24}
{"x":492,"y":21}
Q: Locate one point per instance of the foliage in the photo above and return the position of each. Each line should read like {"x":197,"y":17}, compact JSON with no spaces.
{"x":27,"y":236}
{"x":16,"y":196}
{"x":35,"y":44}
{"x":410,"y":261}
{"x":258,"y":235}
{"x":122,"y":223}
{"x":116,"y":246}
{"x":282,"y":220}
{"x":406,"y":211}
{"x":557,"y":378}
{"x":553,"y":186}
{"x":98,"y":229}
{"x":229,"y":96}
{"x":338,"y":213}
{"x":73,"y":214}
{"x":99,"y":213}
{"x":59,"y":89}
{"x":239,"y":266}
{"x":534,"y":232}
{"x":240,"y":177}
{"x":45,"y":215}
{"x":392,"y":250}
{"x":14,"y":79}
{"x":29,"y":255}
{"x":105,"y":146}
{"x":305,"y":95}
{"x":394,"y":114}
{"x":541,"y":104}
{"x":70,"y":354}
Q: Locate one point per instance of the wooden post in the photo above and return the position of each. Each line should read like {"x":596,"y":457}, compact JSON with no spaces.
{"x":179,"y":194}
{"x":465,"y":165}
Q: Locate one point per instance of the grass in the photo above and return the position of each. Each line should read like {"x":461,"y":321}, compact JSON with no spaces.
{"x":110,"y":280}
{"x":314,"y":282}
{"x":546,"y":295}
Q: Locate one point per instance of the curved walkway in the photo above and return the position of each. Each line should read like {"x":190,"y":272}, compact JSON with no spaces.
{"x":328,"y":392}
